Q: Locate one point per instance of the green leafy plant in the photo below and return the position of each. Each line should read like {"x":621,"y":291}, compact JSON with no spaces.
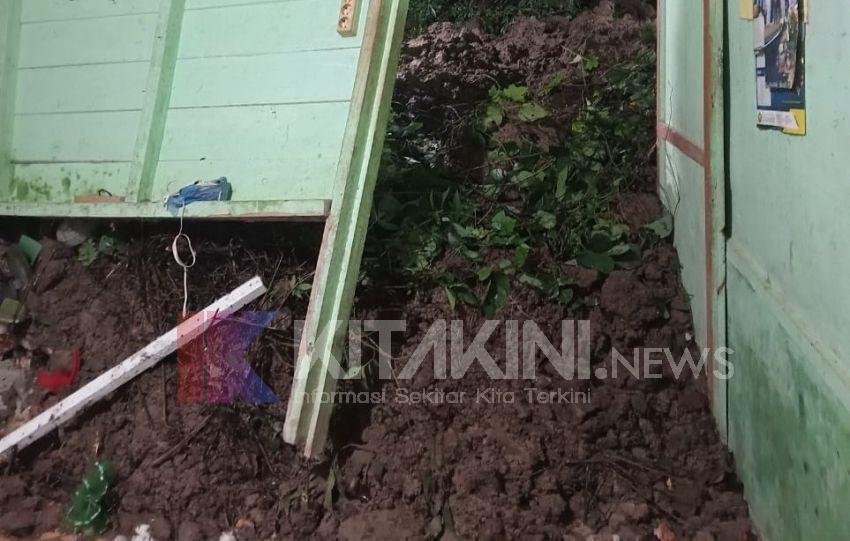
{"x":89,"y":251}
{"x":533,"y":207}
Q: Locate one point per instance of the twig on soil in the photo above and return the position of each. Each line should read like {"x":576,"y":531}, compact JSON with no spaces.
{"x":186,"y":439}
{"x":259,"y":444}
{"x":358,"y":447}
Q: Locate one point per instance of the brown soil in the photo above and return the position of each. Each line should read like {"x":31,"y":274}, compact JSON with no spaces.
{"x":642,"y":456}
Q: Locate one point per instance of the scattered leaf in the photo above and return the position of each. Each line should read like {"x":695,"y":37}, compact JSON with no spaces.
{"x":662,"y":227}
{"x":494,"y":116}
{"x":602,"y":262}
{"x":545,"y":219}
{"x":497,"y":294}
{"x":531,"y":112}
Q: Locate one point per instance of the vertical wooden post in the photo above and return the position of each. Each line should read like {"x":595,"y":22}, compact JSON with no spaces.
{"x":157,"y":99}
{"x":308,"y":416}
{"x":715,"y":198}
{"x":10,"y":32}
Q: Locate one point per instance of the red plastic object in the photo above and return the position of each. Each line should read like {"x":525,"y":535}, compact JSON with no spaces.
{"x":56,"y":381}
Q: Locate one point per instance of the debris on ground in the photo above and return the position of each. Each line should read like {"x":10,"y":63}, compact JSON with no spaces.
{"x":64,"y":374}
{"x":188,"y":330}
{"x":74,"y":232}
{"x":93,"y":503}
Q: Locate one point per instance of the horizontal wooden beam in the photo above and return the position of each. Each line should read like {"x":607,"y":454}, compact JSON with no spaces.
{"x":296,"y":210}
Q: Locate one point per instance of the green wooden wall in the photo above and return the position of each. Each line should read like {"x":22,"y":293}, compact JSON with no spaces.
{"x":788,"y":292}
{"x":140,"y":97}
{"x":760,"y":232}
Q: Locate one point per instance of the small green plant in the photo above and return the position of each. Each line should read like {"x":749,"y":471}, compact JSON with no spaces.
{"x":89,"y":251}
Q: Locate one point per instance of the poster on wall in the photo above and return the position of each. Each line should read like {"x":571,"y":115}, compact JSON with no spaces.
{"x":780,"y":65}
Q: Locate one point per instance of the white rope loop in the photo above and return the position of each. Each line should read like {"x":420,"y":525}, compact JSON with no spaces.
{"x":186,"y":266}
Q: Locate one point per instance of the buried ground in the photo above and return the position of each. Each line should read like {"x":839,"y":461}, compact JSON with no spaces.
{"x":517,"y":185}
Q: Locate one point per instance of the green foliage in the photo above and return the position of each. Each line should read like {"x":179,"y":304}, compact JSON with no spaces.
{"x":92,"y":504}
{"x":493,"y":15}
{"x":511,"y":104}
{"x":89,"y":251}
{"x":534,"y":207}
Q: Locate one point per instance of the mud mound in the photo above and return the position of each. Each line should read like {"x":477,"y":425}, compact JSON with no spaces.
{"x":519,"y":459}
{"x":451,"y":64}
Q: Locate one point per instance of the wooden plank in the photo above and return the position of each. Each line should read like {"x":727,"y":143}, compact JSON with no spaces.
{"x":88,"y":41}
{"x":269,"y":132}
{"x":253,"y":180}
{"x":10,"y":14}
{"x":307,"y":420}
{"x":211,"y":4}
{"x":309,"y":25}
{"x":61,"y":182}
{"x":716,"y":178}
{"x":98,"y":87}
{"x":68,"y":137}
{"x":58,"y":10}
{"x":302,"y":210}
{"x":347,"y":23}
{"x":285,"y":78}
{"x":158,"y":96}
{"x":136,"y":364}
{"x":98,"y":199}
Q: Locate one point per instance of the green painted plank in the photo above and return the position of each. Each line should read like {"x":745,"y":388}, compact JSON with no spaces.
{"x":307,"y":210}
{"x":298,"y":145}
{"x":716,"y":154}
{"x":311,"y":131}
{"x":307,"y":76}
{"x":10,"y":13}
{"x":117,"y":39}
{"x":273,"y":28}
{"x":339,"y":260}
{"x":60,"y":182}
{"x":207,"y":4}
{"x":158,"y":95}
{"x":55,"y":10}
{"x":100,"y":87}
{"x":67,"y":137}
{"x":295,"y":178}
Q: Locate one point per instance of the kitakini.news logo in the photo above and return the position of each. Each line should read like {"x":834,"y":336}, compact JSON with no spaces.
{"x":213,"y":368}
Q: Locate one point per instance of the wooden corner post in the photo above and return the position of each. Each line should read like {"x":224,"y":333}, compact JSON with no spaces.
{"x":10,"y":30}
{"x":309,"y":411}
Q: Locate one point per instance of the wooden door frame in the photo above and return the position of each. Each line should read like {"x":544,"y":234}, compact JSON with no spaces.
{"x":710,"y":155}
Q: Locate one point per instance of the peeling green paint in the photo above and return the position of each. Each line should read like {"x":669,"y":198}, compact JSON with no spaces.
{"x":32,"y":190}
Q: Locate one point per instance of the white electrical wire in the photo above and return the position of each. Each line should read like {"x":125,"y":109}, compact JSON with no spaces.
{"x":180,"y":261}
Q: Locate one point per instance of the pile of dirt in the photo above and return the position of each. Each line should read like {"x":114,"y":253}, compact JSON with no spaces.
{"x":451,"y":65}
{"x":448,"y":71}
{"x":506,"y":463}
